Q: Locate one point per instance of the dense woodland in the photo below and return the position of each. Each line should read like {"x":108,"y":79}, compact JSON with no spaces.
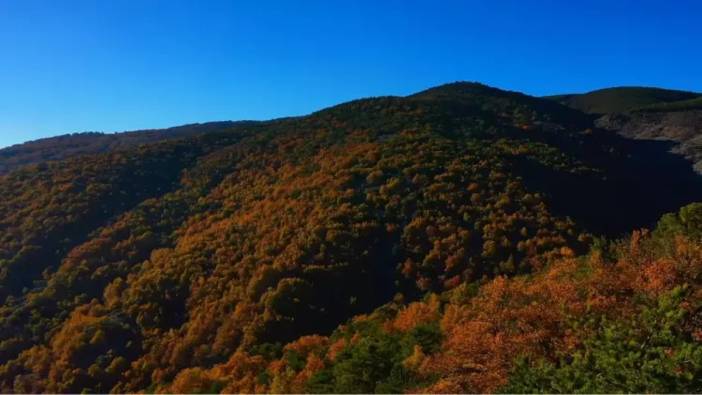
{"x":463,"y":239}
{"x":75,"y":144}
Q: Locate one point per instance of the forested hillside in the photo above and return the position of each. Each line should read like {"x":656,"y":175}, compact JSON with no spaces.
{"x":72,"y":145}
{"x":462,"y":239}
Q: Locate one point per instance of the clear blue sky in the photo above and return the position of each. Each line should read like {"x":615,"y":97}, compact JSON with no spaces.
{"x":111,"y":65}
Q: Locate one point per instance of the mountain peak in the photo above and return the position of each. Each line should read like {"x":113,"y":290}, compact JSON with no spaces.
{"x":459,"y":88}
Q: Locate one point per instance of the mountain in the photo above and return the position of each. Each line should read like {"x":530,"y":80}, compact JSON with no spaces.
{"x":70,"y":145}
{"x":647,"y":113}
{"x":461,"y":239}
{"x":622,"y":99}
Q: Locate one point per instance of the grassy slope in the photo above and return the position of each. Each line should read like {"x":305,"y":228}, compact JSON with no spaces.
{"x":622,"y":99}
{"x":684,"y":105}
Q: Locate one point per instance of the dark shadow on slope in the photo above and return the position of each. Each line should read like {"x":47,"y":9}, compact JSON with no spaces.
{"x":327,"y":296}
{"x":632,"y":192}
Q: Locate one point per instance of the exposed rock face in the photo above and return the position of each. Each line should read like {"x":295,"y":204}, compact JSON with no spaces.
{"x":682,"y":127}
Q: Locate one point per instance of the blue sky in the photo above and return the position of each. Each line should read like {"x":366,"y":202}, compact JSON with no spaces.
{"x":112,"y":65}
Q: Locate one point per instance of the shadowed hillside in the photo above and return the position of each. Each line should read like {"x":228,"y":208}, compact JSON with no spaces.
{"x":647,"y":114}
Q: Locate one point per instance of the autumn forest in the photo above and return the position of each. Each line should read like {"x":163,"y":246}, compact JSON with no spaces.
{"x":460,"y":239}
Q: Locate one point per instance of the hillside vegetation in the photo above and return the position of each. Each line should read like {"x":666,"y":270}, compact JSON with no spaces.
{"x":71,"y":145}
{"x":682,"y":105}
{"x":623,"y":318}
{"x":623,"y":99}
{"x":448,"y":241}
